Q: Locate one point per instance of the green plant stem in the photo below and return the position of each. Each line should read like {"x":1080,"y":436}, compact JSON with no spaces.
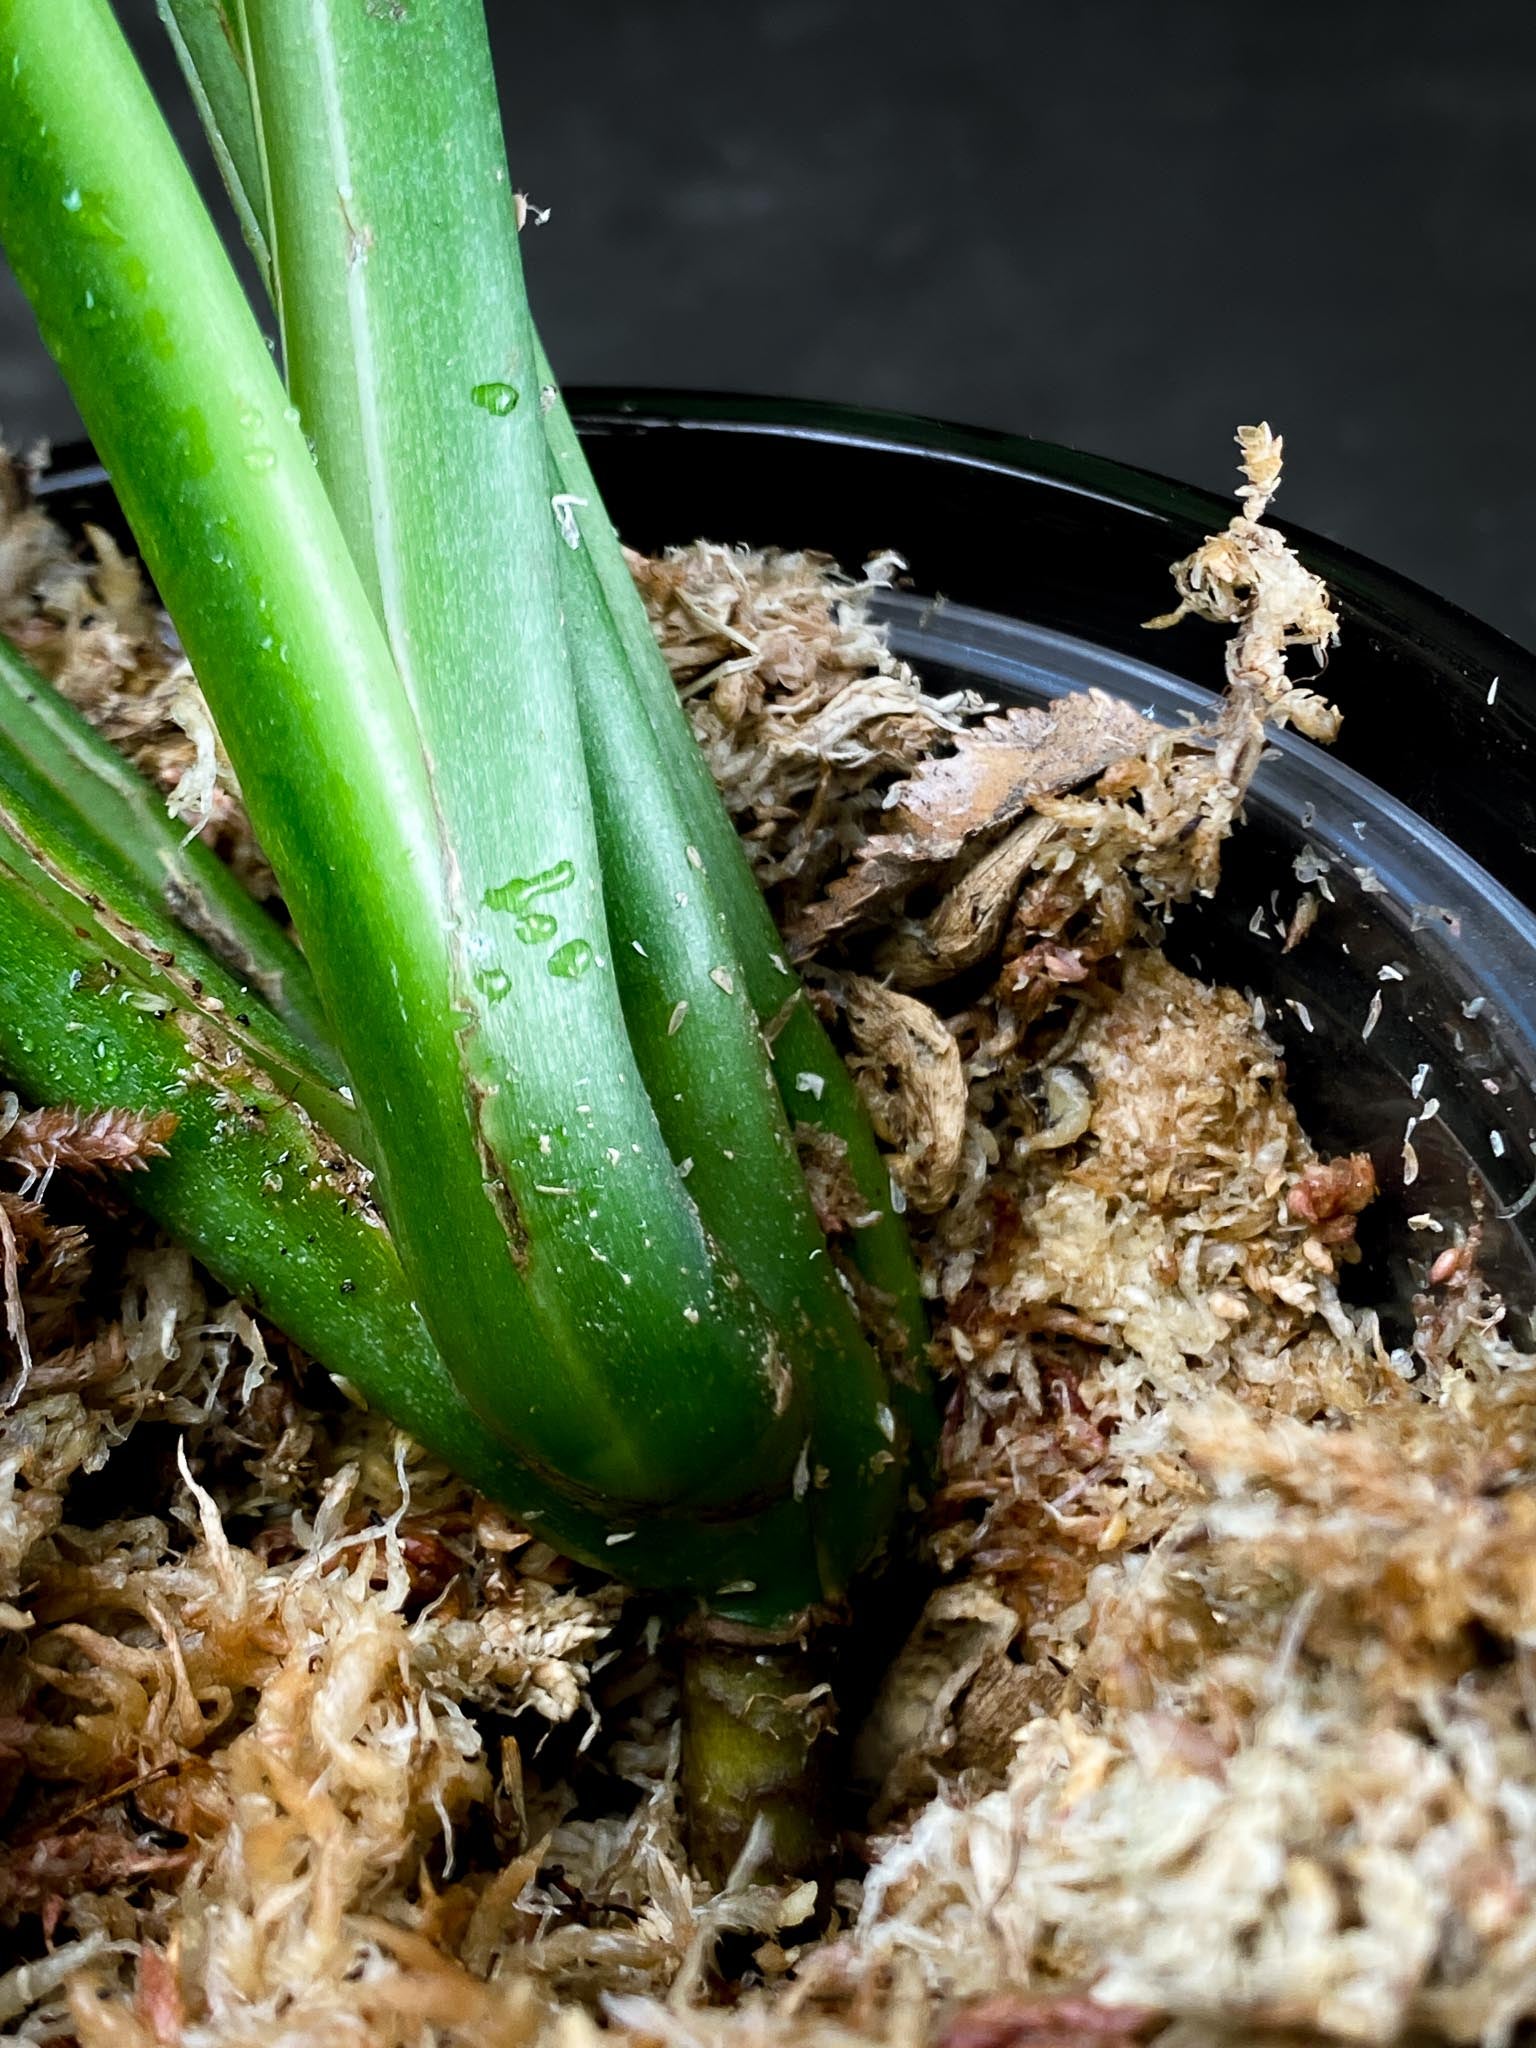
{"x":756,"y":1742}
{"x":269,"y":1202}
{"x":440,"y":481}
{"x":816,"y":1087}
{"x":104,"y":999}
{"x":98,"y":798}
{"x":814,"y":1083}
{"x":107,"y":235}
{"x":704,"y":1062}
{"x":681,"y":936}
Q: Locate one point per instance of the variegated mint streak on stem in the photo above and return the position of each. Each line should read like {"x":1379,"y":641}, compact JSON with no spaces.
{"x":179,"y":391}
{"x":797,"y":1043}
{"x":429,"y":436}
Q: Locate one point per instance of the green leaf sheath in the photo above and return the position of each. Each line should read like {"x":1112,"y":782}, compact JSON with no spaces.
{"x":270,"y":1204}
{"x":207,"y":38}
{"x":97,"y":797}
{"x":705,"y":1064}
{"x":816,"y":1087}
{"x":137,"y":301}
{"x":802,"y":1053}
{"x":62,"y":823}
{"x":428,"y":437}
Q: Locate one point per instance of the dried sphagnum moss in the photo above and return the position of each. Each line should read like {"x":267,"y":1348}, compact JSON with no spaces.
{"x":1220,"y":1721}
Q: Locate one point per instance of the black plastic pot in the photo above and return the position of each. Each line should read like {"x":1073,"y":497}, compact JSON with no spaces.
{"x":1418,"y":983}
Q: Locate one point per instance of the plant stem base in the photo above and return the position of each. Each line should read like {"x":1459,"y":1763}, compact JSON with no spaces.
{"x":757,"y":1742}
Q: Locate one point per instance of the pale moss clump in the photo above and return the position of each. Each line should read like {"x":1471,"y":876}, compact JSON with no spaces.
{"x":1219,"y":1723}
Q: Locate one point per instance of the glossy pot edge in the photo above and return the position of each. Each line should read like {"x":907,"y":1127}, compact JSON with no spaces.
{"x":1075,"y":542}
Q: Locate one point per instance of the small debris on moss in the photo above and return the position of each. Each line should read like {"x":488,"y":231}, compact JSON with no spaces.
{"x":1218,"y":1724}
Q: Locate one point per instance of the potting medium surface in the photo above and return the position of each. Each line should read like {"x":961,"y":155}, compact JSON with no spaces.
{"x":1407,"y":1013}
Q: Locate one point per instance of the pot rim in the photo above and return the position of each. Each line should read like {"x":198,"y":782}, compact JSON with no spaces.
{"x":1368,"y":586}
{"x":1126,"y":487}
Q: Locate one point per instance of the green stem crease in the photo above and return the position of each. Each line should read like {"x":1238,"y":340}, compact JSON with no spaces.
{"x":537,"y":945}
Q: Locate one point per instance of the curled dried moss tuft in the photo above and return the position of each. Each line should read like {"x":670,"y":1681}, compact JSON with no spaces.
{"x":1219,"y":1722}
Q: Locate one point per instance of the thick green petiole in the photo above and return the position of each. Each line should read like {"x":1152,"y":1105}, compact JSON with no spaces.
{"x":812,"y":1078}
{"x":107,"y":236}
{"x":436,"y":466}
{"x":815,"y":1085}
{"x":704,"y":1062}
{"x":439,"y":501}
{"x":268,"y":1200}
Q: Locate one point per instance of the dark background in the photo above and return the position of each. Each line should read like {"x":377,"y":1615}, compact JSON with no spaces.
{"x":1119,"y":224}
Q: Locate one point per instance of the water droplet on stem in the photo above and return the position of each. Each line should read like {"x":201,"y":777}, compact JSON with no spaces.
{"x":494,"y":983}
{"x":572,"y":960}
{"x":497,"y":399}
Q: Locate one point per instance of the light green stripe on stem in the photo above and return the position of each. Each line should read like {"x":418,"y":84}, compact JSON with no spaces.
{"x":177,"y":388}
{"x":428,"y":438}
